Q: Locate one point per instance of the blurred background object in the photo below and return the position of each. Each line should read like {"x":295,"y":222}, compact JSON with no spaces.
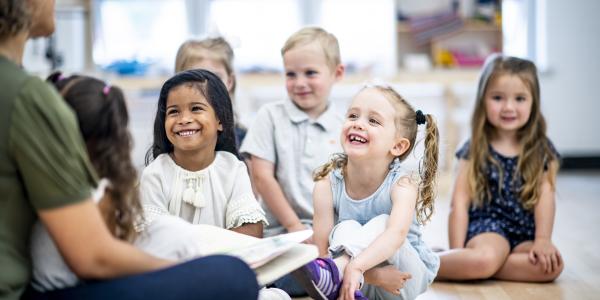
{"x":438,"y":44}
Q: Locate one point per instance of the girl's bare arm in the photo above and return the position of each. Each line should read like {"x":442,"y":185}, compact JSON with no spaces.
{"x":459,"y":208}
{"x":251,"y":229}
{"x":323,"y":216}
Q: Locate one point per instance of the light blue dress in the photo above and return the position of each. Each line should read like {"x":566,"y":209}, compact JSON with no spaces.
{"x":359,"y":222}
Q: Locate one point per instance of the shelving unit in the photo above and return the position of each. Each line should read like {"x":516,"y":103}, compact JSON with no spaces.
{"x":475,"y":38}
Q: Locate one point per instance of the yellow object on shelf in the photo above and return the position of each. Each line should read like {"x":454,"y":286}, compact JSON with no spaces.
{"x":444,"y":58}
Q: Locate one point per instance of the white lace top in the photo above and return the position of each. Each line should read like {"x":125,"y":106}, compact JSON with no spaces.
{"x":219,"y":195}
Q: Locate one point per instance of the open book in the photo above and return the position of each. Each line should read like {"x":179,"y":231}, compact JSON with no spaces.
{"x":264,"y":250}
{"x":271,"y":258}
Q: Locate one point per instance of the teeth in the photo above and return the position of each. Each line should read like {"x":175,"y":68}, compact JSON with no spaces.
{"x":186,"y":133}
{"x":357,"y":139}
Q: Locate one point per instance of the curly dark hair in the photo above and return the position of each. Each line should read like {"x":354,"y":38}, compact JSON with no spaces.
{"x":102,"y":115}
{"x":14,"y":17}
{"x":215,"y":91}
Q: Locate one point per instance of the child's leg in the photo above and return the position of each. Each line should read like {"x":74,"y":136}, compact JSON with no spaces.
{"x":483,"y":256}
{"x":518,"y":267}
{"x":406,"y":259}
{"x":322,"y":278}
{"x":352,"y":238}
{"x":343,"y":234}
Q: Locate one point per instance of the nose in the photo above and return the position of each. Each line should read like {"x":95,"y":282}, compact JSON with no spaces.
{"x":509,"y":104}
{"x":358,"y":124}
{"x":300,"y":81}
{"x":185,"y":117}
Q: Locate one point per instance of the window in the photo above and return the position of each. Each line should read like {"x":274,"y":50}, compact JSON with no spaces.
{"x":524,"y":30}
{"x":256,"y":29}
{"x":366,"y":31}
{"x":147,"y":31}
{"x":150,"y":31}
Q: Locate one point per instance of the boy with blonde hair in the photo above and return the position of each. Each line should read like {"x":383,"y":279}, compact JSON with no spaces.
{"x":290,"y":139}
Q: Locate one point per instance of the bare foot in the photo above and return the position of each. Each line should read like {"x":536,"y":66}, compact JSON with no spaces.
{"x":388,"y":278}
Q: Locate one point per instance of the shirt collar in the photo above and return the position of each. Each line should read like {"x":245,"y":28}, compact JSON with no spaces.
{"x":328,"y":119}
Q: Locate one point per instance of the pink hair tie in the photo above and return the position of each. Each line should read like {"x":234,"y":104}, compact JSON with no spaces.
{"x":106,"y":89}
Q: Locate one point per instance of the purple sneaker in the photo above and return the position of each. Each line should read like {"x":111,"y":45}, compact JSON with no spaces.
{"x":320,"y":278}
{"x":358,"y":295}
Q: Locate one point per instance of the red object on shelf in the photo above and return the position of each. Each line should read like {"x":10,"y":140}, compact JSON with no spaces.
{"x":467,"y":60}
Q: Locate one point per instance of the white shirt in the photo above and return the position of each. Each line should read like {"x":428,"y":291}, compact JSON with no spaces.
{"x":297,"y":145}
{"x":49,"y":270}
{"x":219,"y":195}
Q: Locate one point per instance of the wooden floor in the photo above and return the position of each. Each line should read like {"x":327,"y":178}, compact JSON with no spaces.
{"x":576,"y":234}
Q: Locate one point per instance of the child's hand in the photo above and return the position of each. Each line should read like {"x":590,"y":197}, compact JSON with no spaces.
{"x":545,"y":253}
{"x":351,"y":282}
{"x":390,"y":279}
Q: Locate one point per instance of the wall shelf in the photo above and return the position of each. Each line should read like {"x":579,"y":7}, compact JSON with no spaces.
{"x":474,"y":39}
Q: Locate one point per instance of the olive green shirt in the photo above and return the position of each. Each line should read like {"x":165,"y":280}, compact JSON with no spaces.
{"x":43,"y":165}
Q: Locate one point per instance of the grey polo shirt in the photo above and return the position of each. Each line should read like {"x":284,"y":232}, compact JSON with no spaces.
{"x":286,"y":136}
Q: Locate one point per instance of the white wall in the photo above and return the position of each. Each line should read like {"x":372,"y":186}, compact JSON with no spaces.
{"x":570,"y":87}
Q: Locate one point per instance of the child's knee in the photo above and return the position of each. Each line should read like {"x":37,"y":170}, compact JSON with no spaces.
{"x":486,"y":263}
{"x":381,"y":218}
{"x":377,"y":223}
{"x":343,"y":232}
{"x":349,"y":224}
{"x":551,"y":276}
{"x":344,"y":229}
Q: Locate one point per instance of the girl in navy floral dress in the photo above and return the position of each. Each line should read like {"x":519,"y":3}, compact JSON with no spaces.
{"x":502,"y":212}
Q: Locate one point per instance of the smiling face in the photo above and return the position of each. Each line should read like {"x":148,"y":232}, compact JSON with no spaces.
{"x":308,"y":77}
{"x":370,"y":130}
{"x":508,"y":102}
{"x":190,"y":121}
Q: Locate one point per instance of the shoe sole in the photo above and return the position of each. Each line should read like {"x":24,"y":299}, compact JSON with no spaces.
{"x":303,"y":277}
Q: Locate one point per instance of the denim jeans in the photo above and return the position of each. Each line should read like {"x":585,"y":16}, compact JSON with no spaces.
{"x":290,"y":285}
{"x":211,"y":277}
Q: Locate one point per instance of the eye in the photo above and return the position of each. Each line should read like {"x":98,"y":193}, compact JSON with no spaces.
{"x":521,"y":99}
{"x":172,"y":111}
{"x":374,"y":121}
{"x":290,"y":74}
{"x":352,"y":116}
{"x":197,"y":108}
{"x":496,"y":98}
{"x":311,"y":73}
